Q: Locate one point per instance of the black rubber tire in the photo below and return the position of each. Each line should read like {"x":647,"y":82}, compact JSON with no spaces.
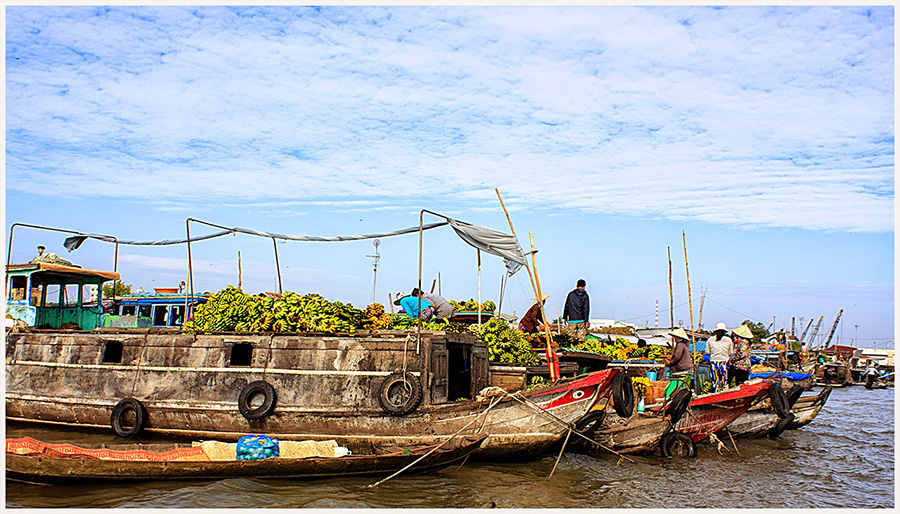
{"x":249,"y":391}
{"x":793,"y":394}
{"x":400,"y":393}
{"x":590,"y":422}
{"x":781,"y":426}
{"x":676,"y":444}
{"x":117,"y":418}
{"x":678,"y":405}
{"x":779,"y":400}
{"x":623,"y":395}
{"x":588,"y":425}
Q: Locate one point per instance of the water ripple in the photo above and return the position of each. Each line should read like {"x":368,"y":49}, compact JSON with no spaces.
{"x":845,"y":458}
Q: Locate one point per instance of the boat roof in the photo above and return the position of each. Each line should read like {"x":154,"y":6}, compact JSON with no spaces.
{"x":58,"y":269}
{"x":141,"y":298}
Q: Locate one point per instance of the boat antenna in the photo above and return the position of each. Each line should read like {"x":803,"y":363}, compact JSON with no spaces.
{"x":376,"y":242}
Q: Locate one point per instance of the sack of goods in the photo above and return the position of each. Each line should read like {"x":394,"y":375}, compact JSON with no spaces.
{"x":256,"y":447}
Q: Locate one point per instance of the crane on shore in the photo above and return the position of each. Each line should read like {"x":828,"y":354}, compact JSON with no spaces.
{"x":805,"y":330}
{"x":812,"y":337}
{"x":833,"y":327}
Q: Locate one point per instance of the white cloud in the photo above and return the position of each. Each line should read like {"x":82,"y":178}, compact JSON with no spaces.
{"x":746,"y":116}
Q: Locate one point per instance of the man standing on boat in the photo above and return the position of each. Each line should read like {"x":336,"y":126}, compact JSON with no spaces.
{"x":719,"y":348}
{"x":577,"y":310}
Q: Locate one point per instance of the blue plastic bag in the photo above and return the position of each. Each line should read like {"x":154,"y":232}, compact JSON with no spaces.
{"x":256,"y":447}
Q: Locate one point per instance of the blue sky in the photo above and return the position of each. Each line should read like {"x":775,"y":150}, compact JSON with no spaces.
{"x":765,"y":134}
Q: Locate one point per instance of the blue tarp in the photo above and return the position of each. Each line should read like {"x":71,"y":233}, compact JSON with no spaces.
{"x":793,"y":375}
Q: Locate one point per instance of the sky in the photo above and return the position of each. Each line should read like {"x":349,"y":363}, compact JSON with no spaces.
{"x":760,"y":137}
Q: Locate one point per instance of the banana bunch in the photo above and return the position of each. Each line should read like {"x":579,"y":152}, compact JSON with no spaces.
{"x":472,"y":306}
{"x":374,"y":318}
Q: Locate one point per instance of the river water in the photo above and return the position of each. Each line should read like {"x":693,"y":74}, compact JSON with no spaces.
{"x":843,"y":459}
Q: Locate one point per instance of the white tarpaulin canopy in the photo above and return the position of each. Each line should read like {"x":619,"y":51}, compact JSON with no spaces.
{"x":494,"y":242}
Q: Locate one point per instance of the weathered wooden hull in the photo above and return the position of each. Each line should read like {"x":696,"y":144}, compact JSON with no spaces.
{"x":41,"y":468}
{"x":710,"y":413}
{"x":640,"y":434}
{"x":326,"y":386}
{"x":751,"y":424}
{"x":807,"y":408}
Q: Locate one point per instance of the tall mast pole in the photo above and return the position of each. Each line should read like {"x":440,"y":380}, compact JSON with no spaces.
{"x":671,"y":299}
{"x":690,"y":308}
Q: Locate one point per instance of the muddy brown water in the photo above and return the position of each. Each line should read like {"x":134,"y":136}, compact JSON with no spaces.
{"x":843,"y":459}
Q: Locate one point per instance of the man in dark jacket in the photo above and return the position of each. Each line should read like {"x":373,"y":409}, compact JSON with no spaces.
{"x":577,"y":310}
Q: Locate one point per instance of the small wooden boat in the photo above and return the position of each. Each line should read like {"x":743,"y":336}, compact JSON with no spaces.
{"x":640,"y":434}
{"x":712,"y":412}
{"x":32,"y":461}
{"x":807,"y":407}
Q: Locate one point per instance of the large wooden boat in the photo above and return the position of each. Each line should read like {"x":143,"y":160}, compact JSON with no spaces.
{"x":834,"y":374}
{"x":32,"y":461}
{"x":384,"y":386}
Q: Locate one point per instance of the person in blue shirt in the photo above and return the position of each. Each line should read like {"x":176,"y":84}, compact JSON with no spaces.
{"x":410,"y":305}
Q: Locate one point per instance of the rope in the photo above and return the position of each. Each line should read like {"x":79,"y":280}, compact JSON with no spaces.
{"x":564,"y":424}
{"x":491,"y":406}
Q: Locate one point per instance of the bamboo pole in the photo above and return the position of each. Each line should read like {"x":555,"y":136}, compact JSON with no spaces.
{"x":690,"y":308}
{"x":671,"y":298}
{"x":553,"y":375}
{"x":240,"y":282}
{"x":511,"y":229}
{"x":479,"y":287}
{"x":534,"y":286}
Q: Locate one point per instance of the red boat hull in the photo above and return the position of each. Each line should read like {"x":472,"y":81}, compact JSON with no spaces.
{"x":712,"y":412}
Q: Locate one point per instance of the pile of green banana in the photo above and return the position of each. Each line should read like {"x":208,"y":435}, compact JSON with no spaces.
{"x":505,"y":343}
{"x":232,"y":310}
{"x":472,"y":306}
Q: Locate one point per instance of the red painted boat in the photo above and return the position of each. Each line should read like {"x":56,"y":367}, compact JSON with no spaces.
{"x":709,"y":413}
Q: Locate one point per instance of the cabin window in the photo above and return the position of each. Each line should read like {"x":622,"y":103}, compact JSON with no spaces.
{"x":112,"y":352}
{"x":241,"y":354}
{"x":177,"y":315}
{"x":17,"y":288}
{"x":144,"y":311}
{"x":89,"y":295}
{"x":160,"y":315}
{"x":52,"y":294}
{"x":127,"y":310}
{"x":71,"y":295}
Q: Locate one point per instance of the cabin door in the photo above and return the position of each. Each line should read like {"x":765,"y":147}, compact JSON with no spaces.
{"x":480,"y":369}
{"x":439,"y":363}
{"x":459,"y":372}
